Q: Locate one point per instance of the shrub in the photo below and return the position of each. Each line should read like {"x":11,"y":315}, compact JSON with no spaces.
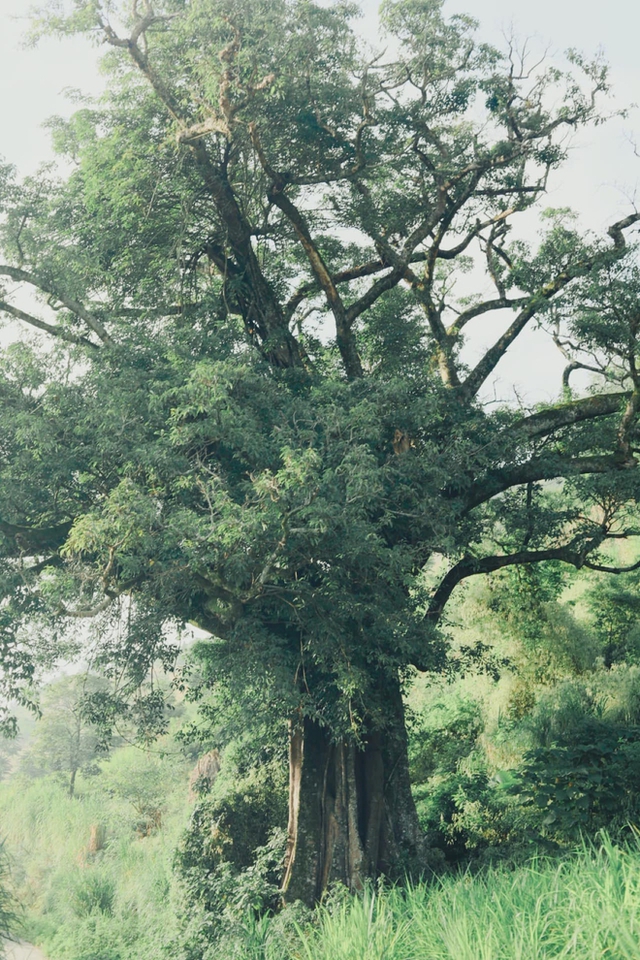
{"x":91,"y":891}
{"x":220,"y":905}
{"x":581,"y":787}
{"x":229,"y":860}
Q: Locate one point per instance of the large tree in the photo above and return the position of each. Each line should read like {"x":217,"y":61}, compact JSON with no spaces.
{"x":247,"y":408}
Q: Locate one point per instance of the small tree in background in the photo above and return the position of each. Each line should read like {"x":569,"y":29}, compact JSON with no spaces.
{"x":615,"y":612}
{"x":64,"y":739}
{"x":140,"y":779}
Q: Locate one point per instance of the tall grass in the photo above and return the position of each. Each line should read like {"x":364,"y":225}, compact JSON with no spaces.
{"x":586,"y":907}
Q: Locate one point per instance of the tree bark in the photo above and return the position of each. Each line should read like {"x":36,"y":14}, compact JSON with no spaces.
{"x":72,"y":782}
{"x":351,"y":813}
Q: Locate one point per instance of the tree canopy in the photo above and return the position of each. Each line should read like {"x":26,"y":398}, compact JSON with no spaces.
{"x":245,"y":406}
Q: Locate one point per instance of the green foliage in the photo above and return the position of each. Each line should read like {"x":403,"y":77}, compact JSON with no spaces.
{"x":223,"y":909}
{"x":233,"y":824}
{"x":543,"y":751}
{"x":461,"y":810}
{"x":582,"y":787}
{"x":582,"y":775}
{"x":229,"y":860}
{"x":444,"y":733}
{"x":135,"y":898}
{"x":562,"y":712}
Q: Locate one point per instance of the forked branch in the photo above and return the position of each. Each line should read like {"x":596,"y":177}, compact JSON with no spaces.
{"x":494,"y":354}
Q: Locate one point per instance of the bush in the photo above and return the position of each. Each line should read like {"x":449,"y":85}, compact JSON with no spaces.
{"x":443,"y":734}
{"x":219,"y":905}
{"x":94,"y":937}
{"x":229,"y":860}
{"x":459,"y":807}
{"x":582,"y":787}
{"x":93,"y":891}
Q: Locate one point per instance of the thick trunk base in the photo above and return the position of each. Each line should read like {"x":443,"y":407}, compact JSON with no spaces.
{"x":351,"y":812}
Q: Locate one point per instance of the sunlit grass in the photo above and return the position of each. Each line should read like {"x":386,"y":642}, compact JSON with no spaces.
{"x":585,"y":907}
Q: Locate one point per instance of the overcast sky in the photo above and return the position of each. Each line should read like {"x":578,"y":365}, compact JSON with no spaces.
{"x":601,"y":179}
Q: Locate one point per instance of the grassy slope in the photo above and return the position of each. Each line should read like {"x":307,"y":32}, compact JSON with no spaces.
{"x":117,"y":904}
{"x":80,"y":903}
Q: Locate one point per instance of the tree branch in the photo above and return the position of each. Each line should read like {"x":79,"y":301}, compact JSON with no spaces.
{"x":344,"y":334}
{"x":601,"y":568}
{"x":142,"y":62}
{"x":343,"y":276}
{"x":32,"y":541}
{"x":572,"y":363}
{"x":375,"y":291}
{"x":494,"y":354}
{"x":590,"y":408}
{"x":473,"y":566}
{"x":86,"y":612}
{"x":74,"y":306}
{"x":538,"y":468}
{"x":55,"y":331}
{"x":616,"y":233}
{"x":261,"y":310}
{"x":472,"y":312}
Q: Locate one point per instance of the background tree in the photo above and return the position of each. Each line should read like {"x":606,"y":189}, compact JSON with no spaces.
{"x":615,"y":609}
{"x":64,"y":740}
{"x":251,"y":411}
{"x":141,"y":780}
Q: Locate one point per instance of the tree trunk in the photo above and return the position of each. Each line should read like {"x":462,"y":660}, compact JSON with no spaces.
{"x":72,"y":781}
{"x":351,"y":812}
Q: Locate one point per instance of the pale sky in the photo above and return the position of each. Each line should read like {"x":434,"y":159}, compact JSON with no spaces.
{"x":601,"y":179}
